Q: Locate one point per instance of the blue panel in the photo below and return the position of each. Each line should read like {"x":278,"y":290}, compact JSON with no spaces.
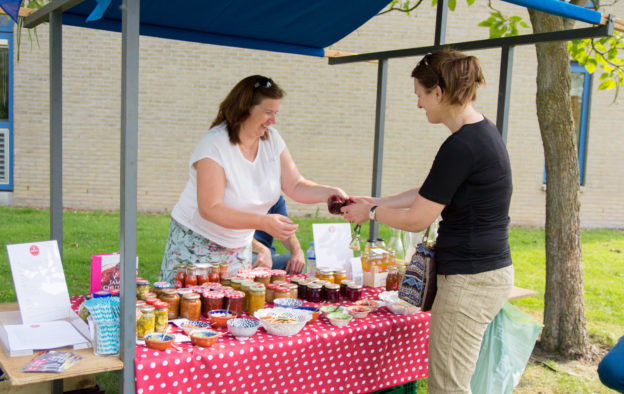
{"x":303,"y":27}
{"x":561,"y":8}
{"x":9,"y":124}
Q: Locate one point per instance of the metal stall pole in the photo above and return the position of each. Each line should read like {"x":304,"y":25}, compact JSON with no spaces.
{"x":128,"y":219}
{"x":56,"y":128}
{"x":380,"y":119}
{"x":440,"y":29}
{"x":504,"y":90}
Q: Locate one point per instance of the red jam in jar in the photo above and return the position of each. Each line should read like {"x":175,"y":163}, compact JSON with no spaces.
{"x":313,"y":292}
{"x":354,"y":292}
{"x":332,"y":292}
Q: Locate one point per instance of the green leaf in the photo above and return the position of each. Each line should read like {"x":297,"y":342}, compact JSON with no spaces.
{"x":524,"y":24}
{"x":606,"y":85}
{"x":452,"y":4}
{"x":613,"y":52}
{"x":604,"y":76}
{"x":470,"y":2}
{"x":599,"y":45}
{"x":590,"y":65}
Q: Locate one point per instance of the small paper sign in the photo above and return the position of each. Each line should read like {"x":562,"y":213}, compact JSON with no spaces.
{"x":331,"y":245}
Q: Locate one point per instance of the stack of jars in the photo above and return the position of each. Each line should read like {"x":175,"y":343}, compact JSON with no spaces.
{"x":377,"y":257}
{"x":316,"y":291}
{"x":199,"y":274}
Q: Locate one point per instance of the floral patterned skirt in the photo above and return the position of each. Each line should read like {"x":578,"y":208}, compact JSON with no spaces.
{"x":185,"y":246}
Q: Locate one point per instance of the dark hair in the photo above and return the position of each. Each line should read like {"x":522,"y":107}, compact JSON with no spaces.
{"x":234,"y":109}
{"x":457,"y":74}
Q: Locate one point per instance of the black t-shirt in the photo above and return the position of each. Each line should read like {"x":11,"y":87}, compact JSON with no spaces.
{"x":471,"y":176}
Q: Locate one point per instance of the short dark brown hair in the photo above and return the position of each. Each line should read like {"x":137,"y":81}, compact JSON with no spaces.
{"x":457,"y":74}
{"x":234,"y":109}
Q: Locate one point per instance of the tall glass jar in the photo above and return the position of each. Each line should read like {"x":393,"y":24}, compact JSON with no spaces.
{"x":339,"y":276}
{"x":145,"y":324}
{"x":332,"y":292}
{"x":270,"y":292}
{"x":203,"y":270}
{"x":171,"y":297}
{"x":392,"y":280}
{"x":190,"y":306}
{"x":313,"y":292}
{"x":180,"y":278}
{"x":142,"y":288}
{"x":256,"y":301}
{"x":246,"y":288}
{"x":234,"y":301}
{"x":161,"y":316}
{"x":215,"y":276}
{"x":235,"y":283}
{"x":212,"y":300}
{"x":191,"y":276}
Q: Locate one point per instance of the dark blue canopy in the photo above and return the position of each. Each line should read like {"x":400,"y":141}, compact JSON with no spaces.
{"x":300,"y":27}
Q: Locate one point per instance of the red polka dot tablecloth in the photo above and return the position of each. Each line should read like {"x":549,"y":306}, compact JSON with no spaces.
{"x":379,"y":351}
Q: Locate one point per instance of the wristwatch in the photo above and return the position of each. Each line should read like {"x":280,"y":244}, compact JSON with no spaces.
{"x":371,"y":213}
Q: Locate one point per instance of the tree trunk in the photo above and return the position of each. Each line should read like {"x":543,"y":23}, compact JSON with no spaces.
{"x":564,"y":317}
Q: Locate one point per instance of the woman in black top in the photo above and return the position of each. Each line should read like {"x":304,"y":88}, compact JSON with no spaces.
{"x":469,"y":185}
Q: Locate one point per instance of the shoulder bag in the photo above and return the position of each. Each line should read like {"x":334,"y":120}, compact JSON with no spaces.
{"x":419,"y":284}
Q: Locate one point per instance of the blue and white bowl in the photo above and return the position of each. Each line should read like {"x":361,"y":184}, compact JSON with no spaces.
{"x":287,"y":302}
{"x":242,"y":328}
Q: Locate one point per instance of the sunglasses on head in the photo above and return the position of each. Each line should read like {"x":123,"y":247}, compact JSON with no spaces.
{"x":264,"y":83}
{"x":425,"y":61}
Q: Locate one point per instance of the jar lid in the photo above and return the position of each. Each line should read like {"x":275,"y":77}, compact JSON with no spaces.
{"x":170,"y":291}
{"x":101,"y":294}
{"x":258,"y":289}
{"x":314,"y":285}
{"x":140,"y":303}
{"x":151,"y":300}
{"x":184,"y":290}
{"x":236,"y":280}
{"x":282,"y":289}
{"x":292,"y":285}
{"x":114,"y":292}
{"x":147,"y":308}
{"x":278,"y":272}
{"x":340,"y":272}
{"x":280,"y":282}
{"x":181,"y":266}
{"x":247,"y":284}
{"x":149,"y":294}
{"x":263,"y":274}
{"x":212,"y":295}
{"x":161,"y":305}
{"x":345,"y":282}
{"x":203,"y":265}
{"x":161,"y":285}
{"x":236,"y":294}
{"x":142,"y":282}
{"x":326,"y":271}
{"x":332,"y":286}
{"x":355,"y":286}
{"x":271,"y":286}
{"x":191,"y":296}
{"x":295,"y":279}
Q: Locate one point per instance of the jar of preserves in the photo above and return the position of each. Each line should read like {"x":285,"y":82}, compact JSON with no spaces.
{"x":392,"y":280}
{"x":339,"y":276}
{"x":401,"y":269}
{"x":263,"y":277}
{"x":139,"y":304}
{"x":145,"y":324}
{"x":277,"y":275}
{"x":151,"y":300}
{"x":202,"y":271}
{"x":270,"y":292}
{"x":160,"y":286}
{"x":223,"y":269}
{"x":280,"y":292}
{"x":191,"y":276}
{"x":332,"y":292}
{"x":212,"y":300}
{"x":343,"y":288}
{"x":114,"y":291}
{"x":235,"y":283}
{"x":190,"y":306}
{"x":225,"y":279}
{"x":234,"y":301}
{"x":161,"y":316}
{"x":294,"y":289}
{"x":313,"y":292}
{"x":302,"y":286}
{"x":142,"y":288}
{"x":215,"y":276}
{"x":246,"y":288}
{"x":325,"y":274}
{"x":256,"y":302}
{"x":180,"y":278}
{"x":171,"y":297}
{"x":354,"y":292}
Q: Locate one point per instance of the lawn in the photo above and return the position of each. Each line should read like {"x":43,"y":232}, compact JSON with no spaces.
{"x":87,"y":233}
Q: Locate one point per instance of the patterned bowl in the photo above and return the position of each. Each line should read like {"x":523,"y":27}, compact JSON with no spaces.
{"x":327,"y":309}
{"x":359,"y":311}
{"x":191,"y":325}
{"x":313,"y":310}
{"x":158,"y":341}
{"x":287,"y":302}
{"x":339,"y":319}
{"x":218,"y":318}
{"x":243,"y":328}
{"x":204,"y":338}
{"x":283,"y":321}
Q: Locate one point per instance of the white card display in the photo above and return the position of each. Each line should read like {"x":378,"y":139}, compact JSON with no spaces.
{"x":39,"y":281}
{"x":331,"y":245}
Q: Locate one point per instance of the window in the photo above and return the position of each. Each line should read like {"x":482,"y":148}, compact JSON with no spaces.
{"x":6,"y":104}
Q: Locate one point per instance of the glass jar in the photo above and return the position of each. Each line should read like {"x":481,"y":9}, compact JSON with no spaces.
{"x":190,"y":306}
{"x":234,"y":302}
{"x":263,"y":277}
{"x":354,"y":292}
{"x":180,"y":278}
{"x":160,"y":286}
{"x":225,"y":279}
{"x":171,"y":297}
{"x":142,"y":288}
{"x":293,"y":290}
{"x":325,"y":274}
{"x":151,"y":300}
{"x":161,"y":316}
{"x":401,"y":268}
{"x":235,"y":283}
{"x":139,"y":304}
{"x":332,"y":292}
{"x":339,"y":276}
{"x":145,"y":324}
{"x":392,"y":280}
{"x":202,"y":270}
{"x":302,"y":287}
{"x":212,"y":300}
{"x":191,"y":276}
{"x":215,"y":276}
{"x":344,"y":285}
{"x":245,"y":288}
{"x":313,"y":292}
{"x":256,"y":302}
{"x":280,"y":292}
{"x":277,"y":275}
{"x":270,"y":292}
{"x":223,"y":269}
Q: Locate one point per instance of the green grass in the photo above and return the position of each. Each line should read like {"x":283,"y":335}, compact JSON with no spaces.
{"x":87,"y":233}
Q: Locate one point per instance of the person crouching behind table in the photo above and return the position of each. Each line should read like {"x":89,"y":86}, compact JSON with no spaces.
{"x":469,"y":184}
{"x":236,"y":173}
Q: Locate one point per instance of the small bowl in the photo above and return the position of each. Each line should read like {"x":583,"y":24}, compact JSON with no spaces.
{"x":339,"y":319}
{"x":372,"y":304}
{"x":243,"y":328}
{"x":313,"y":310}
{"x":204,"y":338}
{"x":193,"y":325}
{"x":358,"y":311}
{"x":218,"y":318}
{"x":158,"y":341}
{"x":327,"y":309}
{"x":287,"y":302}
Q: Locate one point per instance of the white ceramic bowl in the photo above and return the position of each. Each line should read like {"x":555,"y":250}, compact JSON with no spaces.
{"x":327,"y":309}
{"x":339,"y":319}
{"x":397,"y":305}
{"x":358,"y":311}
{"x":300,"y":316}
{"x":242,"y":328}
{"x":287,"y":302}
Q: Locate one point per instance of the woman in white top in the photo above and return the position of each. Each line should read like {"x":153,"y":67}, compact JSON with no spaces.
{"x":236,"y":173}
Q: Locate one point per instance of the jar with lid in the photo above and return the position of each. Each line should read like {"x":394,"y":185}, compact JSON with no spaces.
{"x":256,"y":301}
{"x":293,"y":290}
{"x":245,"y":288}
{"x":171,"y":297}
{"x":160,"y":286}
{"x":142,"y":288}
{"x":151,"y":300}
{"x":145,"y":324}
{"x":190,"y":306}
{"x":339,"y":276}
{"x":325,"y":274}
{"x":278,"y":275}
{"x":139,"y":304}
{"x":302,"y":287}
{"x":280,"y":292}
{"x":191,"y":276}
{"x":354,"y":292}
{"x":234,"y":301}
{"x":313,"y":292}
{"x":161,"y":316}
{"x":392,"y":280}
{"x":225,"y":279}
{"x":202,"y":271}
{"x":215,"y":276}
{"x":270,"y":292}
{"x":332,"y":292}
{"x":235,"y":283}
{"x":212,"y":300}
{"x":344,"y":285}
{"x":263,"y":277}
{"x":180,"y":278}
{"x":223,"y":269}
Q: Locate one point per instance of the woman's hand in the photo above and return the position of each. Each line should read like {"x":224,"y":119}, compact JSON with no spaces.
{"x":296,"y":263}
{"x":357,"y":212}
{"x":279,"y":226}
{"x":264,"y":259}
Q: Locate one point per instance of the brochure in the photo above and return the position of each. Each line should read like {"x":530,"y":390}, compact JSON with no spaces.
{"x":52,"y":361}
{"x":105,"y":271}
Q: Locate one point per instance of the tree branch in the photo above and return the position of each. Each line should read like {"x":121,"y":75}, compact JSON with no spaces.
{"x":407,"y":11}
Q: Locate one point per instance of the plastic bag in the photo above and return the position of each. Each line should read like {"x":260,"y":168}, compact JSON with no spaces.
{"x":507,"y":345}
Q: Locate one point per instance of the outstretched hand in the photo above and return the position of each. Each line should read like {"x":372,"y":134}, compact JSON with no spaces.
{"x":358,"y":211}
{"x":279,"y":226}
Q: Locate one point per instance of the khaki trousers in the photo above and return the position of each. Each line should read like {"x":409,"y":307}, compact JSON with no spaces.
{"x":463,"y":308}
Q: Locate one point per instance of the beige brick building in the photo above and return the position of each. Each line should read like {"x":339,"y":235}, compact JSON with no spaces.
{"x":327,"y":117}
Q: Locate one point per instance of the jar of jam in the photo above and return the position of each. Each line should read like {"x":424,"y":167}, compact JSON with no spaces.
{"x":202,"y":271}
{"x":277,"y":275}
{"x":302,"y":286}
{"x":280,"y":292}
{"x":145,"y":324}
{"x":270,"y":292}
{"x":215,"y":276}
{"x":293,"y":290}
{"x":343,"y":288}
{"x":142,"y":288}
{"x":160,"y":286}
{"x":114,"y":291}
{"x":161,"y":316}
{"x":339,"y":276}
{"x":325,"y":274}
{"x":191,"y":276}
{"x":313,"y":292}
{"x":223,"y":269}
{"x":246,"y":288}
{"x":234,"y":301}
{"x":263,"y":277}
{"x":171,"y":297}
{"x":212,"y":300}
{"x":190,"y":306}
{"x":225,"y":279}
{"x":180,"y":278}
{"x":235,"y":283}
{"x":256,"y":302}
{"x":332,"y":292}
{"x":354,"y":292}
{"x":392,"y":280}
